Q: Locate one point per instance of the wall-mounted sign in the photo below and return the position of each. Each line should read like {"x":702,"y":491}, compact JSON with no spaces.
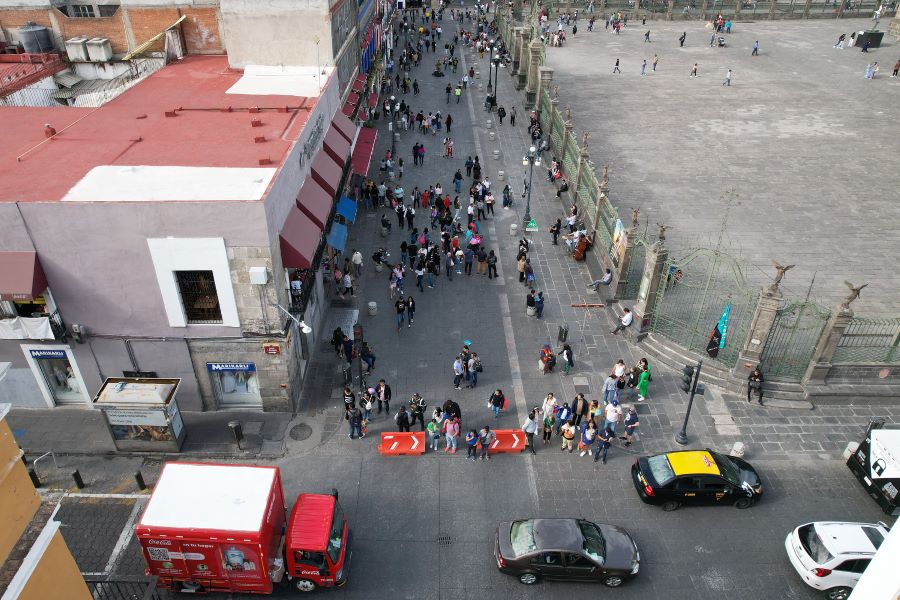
{"x":215,"y":367}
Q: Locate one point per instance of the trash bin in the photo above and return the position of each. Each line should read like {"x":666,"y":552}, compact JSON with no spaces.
{"x":563,"y":334}
{"x":513,"y":230}
{"x":373,"y":309}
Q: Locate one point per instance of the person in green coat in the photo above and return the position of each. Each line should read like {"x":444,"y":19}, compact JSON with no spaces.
{"x":643,"y":384}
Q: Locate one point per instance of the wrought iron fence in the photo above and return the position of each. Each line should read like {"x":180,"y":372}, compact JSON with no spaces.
{"x":792,"y":340}
{"x":869,"y":341}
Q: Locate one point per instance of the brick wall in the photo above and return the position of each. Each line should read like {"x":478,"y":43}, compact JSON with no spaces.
{"x":201,"y":27}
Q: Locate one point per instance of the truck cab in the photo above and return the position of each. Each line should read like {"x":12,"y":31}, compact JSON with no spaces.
{"x":318,"y":539}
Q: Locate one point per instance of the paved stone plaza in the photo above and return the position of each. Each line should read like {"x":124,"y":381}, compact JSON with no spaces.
{"x":809,"y":145}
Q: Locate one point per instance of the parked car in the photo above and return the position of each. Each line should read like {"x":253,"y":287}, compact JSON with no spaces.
{"x":672,"y":479}
{"x":566,"y":549}
{"x":831,"y":555}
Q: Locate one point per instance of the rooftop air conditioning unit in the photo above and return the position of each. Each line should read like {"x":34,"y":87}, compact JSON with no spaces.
{"x":76,"y":49}
{"x":99,"y":50}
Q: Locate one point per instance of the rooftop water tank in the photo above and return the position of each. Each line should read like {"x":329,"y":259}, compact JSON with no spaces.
{"x":36,"y":39}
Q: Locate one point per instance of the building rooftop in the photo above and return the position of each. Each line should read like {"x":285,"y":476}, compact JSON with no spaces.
{"x":181,"y":134}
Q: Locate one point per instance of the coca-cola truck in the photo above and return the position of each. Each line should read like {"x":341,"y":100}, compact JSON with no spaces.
{"x":224,"y":528}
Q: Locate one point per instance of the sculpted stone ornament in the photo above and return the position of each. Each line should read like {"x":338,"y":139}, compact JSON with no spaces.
{"x":635,"y":213}
{"x":662,"y":231}
{"x":780,"y":271}
{"x":854,"y":294}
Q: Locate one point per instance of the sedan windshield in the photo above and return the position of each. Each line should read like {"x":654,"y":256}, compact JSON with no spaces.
{"x":521,"y":537}
{"x":594,"y":545}
{"x":728,"y":469}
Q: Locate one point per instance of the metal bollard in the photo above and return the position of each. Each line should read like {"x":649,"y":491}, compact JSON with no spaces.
{"x":79,"y":482}
{"x":139,"y":478}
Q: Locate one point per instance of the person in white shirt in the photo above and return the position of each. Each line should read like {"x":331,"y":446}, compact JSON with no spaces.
{"x":627,"y":319}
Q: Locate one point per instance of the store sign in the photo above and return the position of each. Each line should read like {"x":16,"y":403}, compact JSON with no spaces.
{"x":151,"y":417}
{"x":47,"y":354}
{"x":216,"y":367}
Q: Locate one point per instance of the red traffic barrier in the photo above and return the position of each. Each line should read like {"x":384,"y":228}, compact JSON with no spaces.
{"x":395,"y":443}
{"x":508,"y":440}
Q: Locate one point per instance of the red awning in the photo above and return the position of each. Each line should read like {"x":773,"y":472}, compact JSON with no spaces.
{"x":300,"y":239}
{"x":373,"y":100}
{"x":362,"y":153}
{"x":21,"y":276}
{"x":315,"y":202}
{"x":348,"y":109}
{"x":327,"y":173}
{"x":346,"y":127}
{"x":336,"y":145}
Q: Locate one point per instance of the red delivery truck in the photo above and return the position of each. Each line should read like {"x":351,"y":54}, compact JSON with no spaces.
{"x":221,"y":528}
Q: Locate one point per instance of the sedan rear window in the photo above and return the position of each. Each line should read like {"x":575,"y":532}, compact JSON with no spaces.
{"x":521,"y":537}
{"x":660,"y":469}
{"x":813,"y":545}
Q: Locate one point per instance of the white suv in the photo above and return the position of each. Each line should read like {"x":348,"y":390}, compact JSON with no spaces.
{"x":831,"y":556}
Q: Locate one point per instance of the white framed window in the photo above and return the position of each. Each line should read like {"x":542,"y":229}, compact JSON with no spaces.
{"x":195,"y":281}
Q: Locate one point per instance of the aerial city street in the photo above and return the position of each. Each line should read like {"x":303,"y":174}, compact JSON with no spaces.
{"x":398,"y":299}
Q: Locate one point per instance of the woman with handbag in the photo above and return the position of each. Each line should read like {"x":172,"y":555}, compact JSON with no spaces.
{"x":754,"y":382}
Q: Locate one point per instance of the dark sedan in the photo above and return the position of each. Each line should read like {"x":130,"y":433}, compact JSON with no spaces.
{"x":689,"y":477}
{"x":566,"y":549}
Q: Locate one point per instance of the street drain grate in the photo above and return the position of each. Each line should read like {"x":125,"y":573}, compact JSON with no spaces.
{"x":300,"y":432}
{"x":444,"y":540}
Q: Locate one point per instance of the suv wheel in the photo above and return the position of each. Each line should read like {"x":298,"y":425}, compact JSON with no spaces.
{"x":670,"y":505}
{"x":612,"y":581}
{"x":528,"y":578}
{"x":743,"y":503}
{"x":838,"y":593}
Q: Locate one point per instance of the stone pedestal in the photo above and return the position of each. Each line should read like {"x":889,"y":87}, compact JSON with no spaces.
{"x":821,"y":359}
{"x":760,"y":326}
{"x":654,"y":264}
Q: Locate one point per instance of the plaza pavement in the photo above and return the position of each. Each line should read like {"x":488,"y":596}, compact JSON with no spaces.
{"x":807,"y":143}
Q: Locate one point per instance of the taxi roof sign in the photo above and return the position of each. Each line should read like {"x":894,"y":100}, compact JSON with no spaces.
{"x":532,"y":226}
{"x":693,"y":462}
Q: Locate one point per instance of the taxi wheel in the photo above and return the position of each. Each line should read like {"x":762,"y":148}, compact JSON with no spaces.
{"x":838,"y":593}
{"x":743,"y":503}
{"x":670,"y":505}
{"x":529,"y":578}
{"x":305,"y":585}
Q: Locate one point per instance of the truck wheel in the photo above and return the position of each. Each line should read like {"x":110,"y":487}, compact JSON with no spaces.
{"x":305,"y":585}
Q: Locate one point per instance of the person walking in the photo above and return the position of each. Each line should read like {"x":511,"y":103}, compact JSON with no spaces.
{"x":579,"y":408}
{"x":604,"y":440}
{"x":616,"y":68}
{"x":402,"y":419}
{"x":451,"y":432}
{"x":496,"y":402}
{"x":694,"y":70}
{"x":755,"y":49}
{"x":530,"y":427}
{"x":568,"y":358}
{"x":471,"y":444}
{"x":485,"y":438}
{"x":754,"y":384}
{"x":568,"y":431}
{"x":631,"y":423}
{"x":383,"y":395}
{"x":727,"y":78}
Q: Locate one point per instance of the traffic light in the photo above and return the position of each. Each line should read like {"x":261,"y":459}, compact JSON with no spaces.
{"x":687,"y":378}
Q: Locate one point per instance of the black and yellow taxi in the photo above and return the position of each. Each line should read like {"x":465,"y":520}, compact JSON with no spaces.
{"x":695,"y":477}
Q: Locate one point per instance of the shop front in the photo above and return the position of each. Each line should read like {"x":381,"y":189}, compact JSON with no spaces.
{"x":57,"y":374}
{"x":235,"y":384}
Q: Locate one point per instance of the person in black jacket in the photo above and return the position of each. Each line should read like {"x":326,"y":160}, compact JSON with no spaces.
{"x":383,"y":394}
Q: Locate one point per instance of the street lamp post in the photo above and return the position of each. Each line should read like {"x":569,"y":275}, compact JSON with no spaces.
{"x":530,"y":160}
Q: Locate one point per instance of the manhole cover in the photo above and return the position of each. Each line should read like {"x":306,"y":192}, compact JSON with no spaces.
{"x":300,"y":432}
{"x":444,"y":540}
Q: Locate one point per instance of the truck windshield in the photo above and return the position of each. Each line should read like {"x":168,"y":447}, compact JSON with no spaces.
{"x":336,"y":535}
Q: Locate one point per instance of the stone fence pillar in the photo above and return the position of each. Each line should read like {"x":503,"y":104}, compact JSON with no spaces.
{"x":826,"y":347}
{"x":760,"y":326}
{"x":654,"y":264}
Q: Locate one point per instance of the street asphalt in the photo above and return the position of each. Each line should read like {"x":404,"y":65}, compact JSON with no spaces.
{"x":399,"y":507}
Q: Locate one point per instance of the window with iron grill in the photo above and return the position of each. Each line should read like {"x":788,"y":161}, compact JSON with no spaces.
{"x":199,"y":297}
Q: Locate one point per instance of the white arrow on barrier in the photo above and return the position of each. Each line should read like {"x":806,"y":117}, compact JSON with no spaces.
{"x":415,"y":443}
{"x":515,"y":440}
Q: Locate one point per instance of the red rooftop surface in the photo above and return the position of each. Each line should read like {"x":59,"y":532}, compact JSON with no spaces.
{"x":133,"y":129}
